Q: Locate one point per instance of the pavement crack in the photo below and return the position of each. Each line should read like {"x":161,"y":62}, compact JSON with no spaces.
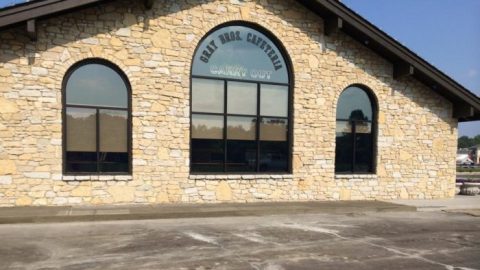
{"x":390,"y":249}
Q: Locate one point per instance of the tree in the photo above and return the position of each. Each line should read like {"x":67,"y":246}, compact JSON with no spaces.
{"x":476,"y":140}
{"x":465,"y":141}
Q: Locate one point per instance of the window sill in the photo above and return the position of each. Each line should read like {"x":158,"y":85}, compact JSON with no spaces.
{"x":279,"y":176}
{"x":356,"y":176}
{"x":97,"y":177}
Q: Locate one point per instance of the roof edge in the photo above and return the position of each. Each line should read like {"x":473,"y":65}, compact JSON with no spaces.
{"x":334,"y":8}
{"x":445,"y":85}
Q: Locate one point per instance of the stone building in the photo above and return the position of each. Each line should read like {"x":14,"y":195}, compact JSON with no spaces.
{"x":106,"y":102}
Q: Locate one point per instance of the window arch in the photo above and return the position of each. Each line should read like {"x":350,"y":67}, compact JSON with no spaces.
{"x":240,"y":102}
{"x":96,"y":119}
{"x":355,"y":131}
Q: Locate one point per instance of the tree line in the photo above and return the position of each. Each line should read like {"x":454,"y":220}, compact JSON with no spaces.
{"x":466,"y":142}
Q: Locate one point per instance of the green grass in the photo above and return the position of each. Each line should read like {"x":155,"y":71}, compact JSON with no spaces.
{"x":461,"y":169}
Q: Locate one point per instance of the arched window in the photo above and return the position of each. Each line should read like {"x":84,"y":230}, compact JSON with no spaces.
{"x":240,"y":109}
{"x":96,"y":117}
{"x":355,"y":132}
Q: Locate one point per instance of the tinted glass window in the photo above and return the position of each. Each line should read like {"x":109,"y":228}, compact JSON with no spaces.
{"x":354,"y":136}
{"x":354,"y":103}
{"x":96,"y":85}
{"x":273,"y":129}
{"x":240,"y":104}
{"x":363,"y":151}
{"x":113,"y":131}
{"x":241,"y":128}
{"x":241,"y":156}
{"x":239,"y":52}
{"x":81,"y":162}
{"x":274,"y":100}
{"x":207,"y":155}
{"x":273,"y":156}
{"x":81,"y":130}
{"x":344,"y":147}
{"x":207,"y":95}
{"x":242,"y":98}
{"x":207,"y":126}
{"x":113,"y":162}
{"x":96,"y":138}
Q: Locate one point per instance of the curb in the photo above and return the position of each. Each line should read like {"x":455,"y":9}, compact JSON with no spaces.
{"x":17,"y":215}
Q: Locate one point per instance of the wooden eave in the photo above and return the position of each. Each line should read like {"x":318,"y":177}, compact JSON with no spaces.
{"x":336,"y":16}
{"x":39,"y":9}
{"x":405,"y":62}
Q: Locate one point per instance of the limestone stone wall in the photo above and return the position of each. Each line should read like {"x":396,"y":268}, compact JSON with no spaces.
{"x":416,"y":134}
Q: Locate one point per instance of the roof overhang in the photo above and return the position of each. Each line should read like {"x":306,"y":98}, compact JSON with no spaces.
{"x":28,"y":11}
{"x":336,"y":16}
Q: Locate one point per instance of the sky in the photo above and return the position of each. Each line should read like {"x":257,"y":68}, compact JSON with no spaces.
{"x":446,"y":33}
{"x":4,"y":3}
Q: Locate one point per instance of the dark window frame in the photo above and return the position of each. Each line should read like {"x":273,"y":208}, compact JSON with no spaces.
{"x":373,"y":134}
{"x":290,"y":85}
{"x":123,"y":76}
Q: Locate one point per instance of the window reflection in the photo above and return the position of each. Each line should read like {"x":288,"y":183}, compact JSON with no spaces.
{"x":343,"y":127}
{"x":81,"y":130}
{"x":239,"y":103}
{"x":207,"y":155}
{"x":207,"y":126}
{"x":81,"y":162}
{"x":241,"y":156}
{"x":274,"y":100}
{"x":273,"y":156}
{"x":113,"y":131}
{"x":273,"y":129}
{"x":96,"y":139}
{"x":249,"y":55}
{"x":207,"y":96}
{"x":363,"y":152}
{"x":354,"y":138}
{"x":242,"y":98}
{"x":96,"y":85}
{"x":241,"y":128}
{"x":344,"y":147}
{"x":354,"y":103}
{"x":363,"y":127}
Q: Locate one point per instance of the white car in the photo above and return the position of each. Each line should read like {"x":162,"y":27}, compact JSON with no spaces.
{"x":463,"y":159}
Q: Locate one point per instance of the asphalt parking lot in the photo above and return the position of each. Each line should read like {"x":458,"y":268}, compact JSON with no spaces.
{"x":389,"y":240}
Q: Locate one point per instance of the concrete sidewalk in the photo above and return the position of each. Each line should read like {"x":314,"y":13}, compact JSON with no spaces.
{"x":460,"y":202}
{"x":135,"y":212}
{"x":43,"y":214}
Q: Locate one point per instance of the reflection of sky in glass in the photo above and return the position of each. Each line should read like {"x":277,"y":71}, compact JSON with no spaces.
{"x":96,"y":85}
{"x":274,"y":100}
{"x":239,"y":53}
{"x":207,"y":95}
{"x":242,"y":98}
{"x":354,"y":99}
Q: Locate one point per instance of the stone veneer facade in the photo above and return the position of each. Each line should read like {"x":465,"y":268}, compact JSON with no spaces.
{"x":416,"y":134}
